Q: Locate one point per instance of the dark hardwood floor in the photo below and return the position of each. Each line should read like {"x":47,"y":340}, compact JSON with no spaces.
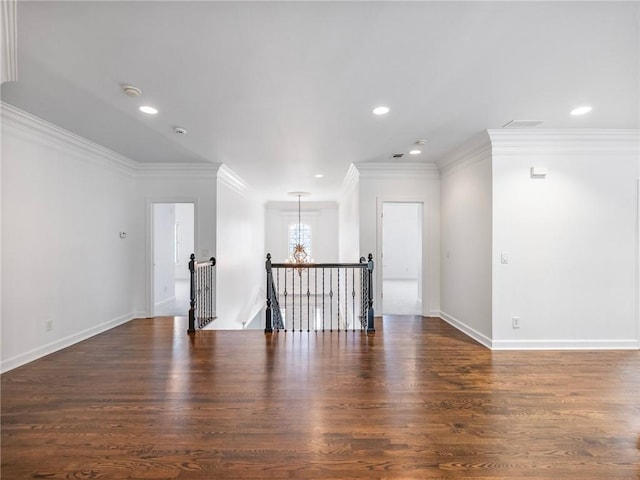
{"x":417,"y":400}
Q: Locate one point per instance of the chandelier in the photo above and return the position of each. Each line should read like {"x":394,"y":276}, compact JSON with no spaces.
{"x":299,"y":255}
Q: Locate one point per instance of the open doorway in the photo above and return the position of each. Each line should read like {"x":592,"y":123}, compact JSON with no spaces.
{"x":401,"y":258}
{"x":173,"y":243}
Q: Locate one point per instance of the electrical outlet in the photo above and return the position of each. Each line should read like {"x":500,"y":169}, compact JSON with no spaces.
{"x":515,"y":322}
{"x":48,"y":325}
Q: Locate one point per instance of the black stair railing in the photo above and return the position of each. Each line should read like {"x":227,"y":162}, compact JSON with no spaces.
{"x":202,"y":307}
{"x":320,"y":296}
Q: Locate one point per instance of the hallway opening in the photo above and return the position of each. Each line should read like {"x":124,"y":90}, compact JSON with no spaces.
{"x":173,"y":243}
{"x":402,"y":258}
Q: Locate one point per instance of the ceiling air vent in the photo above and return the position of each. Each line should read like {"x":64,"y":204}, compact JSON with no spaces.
{"x":397,"y":155}
{"x":522,"y":124}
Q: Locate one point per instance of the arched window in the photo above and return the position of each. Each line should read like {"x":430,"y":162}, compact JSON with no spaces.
{"x":304,"y":236}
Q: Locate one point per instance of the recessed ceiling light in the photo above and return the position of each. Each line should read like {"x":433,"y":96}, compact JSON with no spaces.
{"x":381,"y":110}
{"x":148,"y":110}
{"x":581,"y":110}
{"x":318,"y":175}
{"x":415,"y":151}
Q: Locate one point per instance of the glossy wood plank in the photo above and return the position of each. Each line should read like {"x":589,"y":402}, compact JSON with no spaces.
{"x":417,"y":400}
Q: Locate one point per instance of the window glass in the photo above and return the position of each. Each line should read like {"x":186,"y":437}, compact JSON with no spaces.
{"x":303,"y":233}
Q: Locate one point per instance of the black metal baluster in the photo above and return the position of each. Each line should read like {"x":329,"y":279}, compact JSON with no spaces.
{"x":353,"y":298}
{"x":338,"y":302}
{"x":315,"y":299}
{"x":370,"y":327}
{"x":285,"y":300}
{"x":205,"y":291}
{"x":277,"y":292}
{"x":308,"y":303}
{"x":192,"y":294}
{"x":323,"y":299}
{"x":346,"y":300}
{"x":293,"y":301}
{"x":331,"y":299}
{"x":300,"y":302}
{"x":268,"y":326}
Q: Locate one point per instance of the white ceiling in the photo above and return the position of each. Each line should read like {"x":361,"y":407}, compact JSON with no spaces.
{"x":280,"y":91}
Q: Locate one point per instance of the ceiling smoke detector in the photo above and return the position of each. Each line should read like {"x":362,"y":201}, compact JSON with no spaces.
{"x":131,"y":91}
{"x":180,"y":130}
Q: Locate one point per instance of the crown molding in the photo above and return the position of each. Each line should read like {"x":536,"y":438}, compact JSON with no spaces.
{"x":385,"y":170}
{"x":350,"y":181}
{"x":235,"y":182}
{"x":177,"y":170}
{"x":292,"y":207}
{"x":40,"y":131}
{"x":564,"y":141}
{"x":472,"y":151}
{"x":9,"y":51}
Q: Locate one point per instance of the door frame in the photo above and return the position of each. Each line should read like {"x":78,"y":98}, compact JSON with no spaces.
{"x":380,"y":200}
{"x":149,"y":240}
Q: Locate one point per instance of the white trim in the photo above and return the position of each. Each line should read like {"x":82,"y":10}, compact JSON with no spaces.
{"x":467,"y":330}
{"x":9,"y":32}
{"x":616,"y":344}
{"x":230,"y":179}
{"x":39,"y":131}
{"x":307,"y":207}
{"x":566,"y":344}
{"x":350,"y":182}
{"x":473,"y":151}
{"x":164,"y":302}
{"x":36,"y":353}
{"x":637,"y":272}
{"x":149,"y":251}
{"x":177,"y":170}
{"x":426,"y":241}
{"x":385,"y":170}
{"x":564,"y":141}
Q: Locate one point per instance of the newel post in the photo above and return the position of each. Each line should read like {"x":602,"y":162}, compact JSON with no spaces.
{"x":192,"y":294}
{"x":370,"y":327}
{"x":268,"y":325}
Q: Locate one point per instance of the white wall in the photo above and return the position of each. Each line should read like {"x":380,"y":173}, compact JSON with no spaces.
{"x":402,"y":182}
{"x":349,"y":219}
{"x":185,"y":222}
{"x":64,"y":202}
{"x":571,"y":239}
{"x":240,"y":269}
{"x":164,"y":265}
{"x":321,"y":216}
{"x":466,"y":239}
{"x":172,"y":183}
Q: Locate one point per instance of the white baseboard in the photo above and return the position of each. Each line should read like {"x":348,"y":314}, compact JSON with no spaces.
{"x":565,"y":345}
{"x":36,"y":353}
{"x":466,"y":329}
{"x":624,"y":344}
{"x":164,"y":302}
